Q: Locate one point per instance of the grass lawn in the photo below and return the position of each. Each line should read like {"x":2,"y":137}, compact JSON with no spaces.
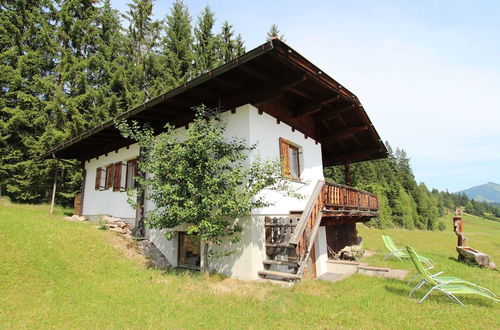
{"x":55,"y":273}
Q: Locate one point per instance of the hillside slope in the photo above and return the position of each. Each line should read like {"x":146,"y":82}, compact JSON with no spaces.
{"x":489,"y":192}
{"x":59,"y":274}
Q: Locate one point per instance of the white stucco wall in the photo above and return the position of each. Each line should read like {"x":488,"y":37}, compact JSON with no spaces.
{"x":265,"y":131}
{"x":248,"y":124}
{"x":101,"y":202}
{"x":321,"y":251}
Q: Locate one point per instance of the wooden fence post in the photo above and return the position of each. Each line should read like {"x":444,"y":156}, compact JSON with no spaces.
{"x":53,"y":201}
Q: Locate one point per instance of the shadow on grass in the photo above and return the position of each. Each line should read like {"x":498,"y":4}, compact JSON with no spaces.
{"x":192,"y":273}
{"x":438,"y":297}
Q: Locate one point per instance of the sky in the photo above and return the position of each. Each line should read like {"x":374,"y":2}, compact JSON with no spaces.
{"x":427,"y":72}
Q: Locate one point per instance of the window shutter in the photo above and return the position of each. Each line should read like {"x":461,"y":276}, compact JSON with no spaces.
{"x":285,"y":162}
{"x":98,"y":175}
{"x":117,"y":177}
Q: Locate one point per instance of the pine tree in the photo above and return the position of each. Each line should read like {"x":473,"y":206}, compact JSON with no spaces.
{"x":227,"y":46}
{"x":178,"y":43}
{"x":206,"y":43}
{"x":27,"y":57}
{"x":239,"y":46}
{"x":113,"y":87}
{"x":77,"y":81}
{"x":274,"y":32}
{"x":147,"y":75}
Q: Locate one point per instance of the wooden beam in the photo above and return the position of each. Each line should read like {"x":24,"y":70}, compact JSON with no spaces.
{"x":342,"y":134}
{"x":312,"y":108}
{"x":254,"y":73}
{"x":329,"y":113}
{"x":296,"y":91}
{"x":358,"y":155}
{"x":261,"y":94}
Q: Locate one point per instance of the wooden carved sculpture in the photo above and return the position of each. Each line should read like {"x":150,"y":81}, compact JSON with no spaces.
{"x":458,"y":229}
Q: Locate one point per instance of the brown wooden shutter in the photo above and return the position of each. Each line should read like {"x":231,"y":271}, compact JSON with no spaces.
{"x":285,"y":162}
{"x":109,"y":176}
{"x":117,"y":176}
{"x":98,"y":174}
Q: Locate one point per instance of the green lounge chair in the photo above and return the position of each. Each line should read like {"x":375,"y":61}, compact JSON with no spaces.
{"x":447,"y":284}
{"x":399,"y":253}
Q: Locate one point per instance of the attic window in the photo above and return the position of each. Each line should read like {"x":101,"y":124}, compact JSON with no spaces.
{"x":290,"y":159}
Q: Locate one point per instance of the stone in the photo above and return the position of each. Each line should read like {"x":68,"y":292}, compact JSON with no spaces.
{"x":77,"y":218}
{"x":156,"y":258}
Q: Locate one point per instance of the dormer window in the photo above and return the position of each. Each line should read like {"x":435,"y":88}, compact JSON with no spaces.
{"x":290,"y":159}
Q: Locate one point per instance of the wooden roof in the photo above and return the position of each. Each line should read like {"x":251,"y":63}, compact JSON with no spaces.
{"x":274,"y":78}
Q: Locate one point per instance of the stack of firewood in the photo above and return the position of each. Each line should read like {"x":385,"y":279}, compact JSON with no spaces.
{"x":116,"y":224}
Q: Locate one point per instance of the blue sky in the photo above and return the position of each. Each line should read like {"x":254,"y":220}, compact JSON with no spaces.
{"x":427,"y":72}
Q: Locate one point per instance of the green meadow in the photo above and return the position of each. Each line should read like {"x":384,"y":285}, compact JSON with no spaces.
{"x":60,"y":274}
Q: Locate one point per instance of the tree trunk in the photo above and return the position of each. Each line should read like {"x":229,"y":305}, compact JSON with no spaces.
{"x":205,"y":257}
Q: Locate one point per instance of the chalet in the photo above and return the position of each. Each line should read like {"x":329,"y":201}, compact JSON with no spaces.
{"x":274,"y":96}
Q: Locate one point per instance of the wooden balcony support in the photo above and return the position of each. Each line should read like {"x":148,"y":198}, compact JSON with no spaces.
{"x":330,"y":203}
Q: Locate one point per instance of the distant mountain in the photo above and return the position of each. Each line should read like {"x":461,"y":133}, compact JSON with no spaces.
{"x":489,"y":192}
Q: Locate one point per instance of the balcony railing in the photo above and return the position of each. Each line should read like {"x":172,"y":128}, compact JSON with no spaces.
{"x":329,"y":199}
{"x":341,"y":197}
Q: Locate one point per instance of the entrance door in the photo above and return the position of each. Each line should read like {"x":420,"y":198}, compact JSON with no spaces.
{"x":189,"y":251}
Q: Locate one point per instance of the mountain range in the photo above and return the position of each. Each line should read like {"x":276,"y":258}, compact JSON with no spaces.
{"x":488,"y":192}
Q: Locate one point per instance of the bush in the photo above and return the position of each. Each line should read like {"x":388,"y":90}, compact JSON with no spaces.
{"x":102,"y":224}
{"x":441,"y":226}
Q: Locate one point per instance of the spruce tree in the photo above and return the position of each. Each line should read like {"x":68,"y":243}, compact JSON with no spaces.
{"x":239,"y":46}
{"x":205,"y":43}
{"x":274,"y":32}
{"x":147,"y":74}
{"x":227,"y":46}
{"x":178,"y":43}
{"x":113,"y":87}
{"x":27,"y":57}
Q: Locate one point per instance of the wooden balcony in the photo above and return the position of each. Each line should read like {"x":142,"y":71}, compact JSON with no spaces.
{"x":345,"y":201}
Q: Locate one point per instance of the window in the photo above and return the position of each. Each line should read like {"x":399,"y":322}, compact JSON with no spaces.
{"x":132,"y":172}
{"x":109,"y":176}
{"x":189,"y":251}
{"x":293,"y":156}
{"x":290,"y":159}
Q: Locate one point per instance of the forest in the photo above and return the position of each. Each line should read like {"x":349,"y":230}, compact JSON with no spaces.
{"x":69,"y":65}
{"x":403,"y":202}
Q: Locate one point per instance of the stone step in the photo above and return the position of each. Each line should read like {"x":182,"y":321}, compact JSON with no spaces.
{"x":281,"y":275}
{"x":281,"y":263}
{"x":280,"y":225}
{"x":283,"y":245}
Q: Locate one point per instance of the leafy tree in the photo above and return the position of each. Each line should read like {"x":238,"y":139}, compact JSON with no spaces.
{"x":203,"y":181}
{"x":274,"y":32}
